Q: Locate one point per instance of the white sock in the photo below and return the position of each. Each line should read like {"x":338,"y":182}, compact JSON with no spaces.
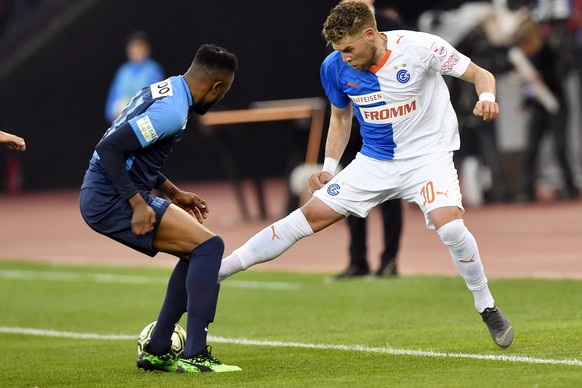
{"x":465,"y":255}
{"x":266,"y":245}
{"x":229,"y":266}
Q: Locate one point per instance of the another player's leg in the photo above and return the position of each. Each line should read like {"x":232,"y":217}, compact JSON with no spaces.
{"x":202,"y":288}
{"x":392,"y":223}
{"x":358,"y":265}
{"x":181,"y":235}
{"x":157,"y":354}
{"x":465,"y":254}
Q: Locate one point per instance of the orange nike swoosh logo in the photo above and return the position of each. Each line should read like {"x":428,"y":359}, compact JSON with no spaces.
{"x":471,"y":260}
{"x":274,"y":233}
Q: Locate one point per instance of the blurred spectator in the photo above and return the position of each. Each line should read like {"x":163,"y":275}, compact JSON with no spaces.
{"x":481,"y":31}
{"x":140,"y":70}
{"x":481,"y":172}
{"x":530,"y":39}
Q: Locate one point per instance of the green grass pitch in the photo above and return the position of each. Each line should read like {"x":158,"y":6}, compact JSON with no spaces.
{"x":78,"y":325}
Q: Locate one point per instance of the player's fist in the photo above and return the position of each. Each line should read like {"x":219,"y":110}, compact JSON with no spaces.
{"x":143,"y":219}
{"x":487,"y":110}
{"x":317,"y":180}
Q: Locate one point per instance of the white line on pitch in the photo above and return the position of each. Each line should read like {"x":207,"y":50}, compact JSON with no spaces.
{"x":357,"y":348}
{"x":130,"y":279}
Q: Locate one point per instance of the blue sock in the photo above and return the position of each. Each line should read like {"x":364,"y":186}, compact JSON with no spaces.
{"x":202,"y":288}
{"x":172,"y":310}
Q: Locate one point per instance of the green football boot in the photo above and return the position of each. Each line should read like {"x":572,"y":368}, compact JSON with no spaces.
{"x":203,"y":362}
{"x":151,"y":362}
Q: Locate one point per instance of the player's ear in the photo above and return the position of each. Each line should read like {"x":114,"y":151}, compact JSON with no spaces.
{"x":368,"y":34}
{"x":217,"y":87}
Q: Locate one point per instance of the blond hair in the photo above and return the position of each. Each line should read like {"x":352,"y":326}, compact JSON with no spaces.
{"x":348,"y":18}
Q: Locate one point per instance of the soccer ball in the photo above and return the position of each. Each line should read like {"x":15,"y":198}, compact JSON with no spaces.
{"x":298,"y":178}
{"x":178,"y":339}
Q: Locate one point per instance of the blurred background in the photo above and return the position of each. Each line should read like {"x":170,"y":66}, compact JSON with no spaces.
{"x":59,"y":57}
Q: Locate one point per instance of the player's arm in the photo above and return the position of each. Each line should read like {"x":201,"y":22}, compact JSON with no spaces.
{"x":338,"y":135}
{"x":485,"y":87}
{"x":190,"y":202}
{"x":112,"y":151}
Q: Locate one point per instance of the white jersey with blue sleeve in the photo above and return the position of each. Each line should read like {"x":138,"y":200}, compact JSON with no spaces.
{"x":403,"y":104}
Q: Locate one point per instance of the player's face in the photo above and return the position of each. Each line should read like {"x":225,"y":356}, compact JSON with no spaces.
{"x":357,"y":52}
{"x":216,"y":94}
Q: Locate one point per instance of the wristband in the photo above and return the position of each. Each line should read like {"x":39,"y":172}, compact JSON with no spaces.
{"x":487,"y":96}
{"x":329,"y":165}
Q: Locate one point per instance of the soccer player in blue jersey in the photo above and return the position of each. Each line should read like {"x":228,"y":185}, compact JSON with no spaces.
{"x":393,"y":82}
{"x":116,"y":200}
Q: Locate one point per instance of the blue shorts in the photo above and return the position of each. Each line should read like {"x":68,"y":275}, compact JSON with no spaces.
{"x":110,"y":215}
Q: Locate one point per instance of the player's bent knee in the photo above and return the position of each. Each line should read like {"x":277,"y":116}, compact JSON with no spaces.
{"x":216,"y":243}
{"x":442,"y":216}
{"x":452,"y":232}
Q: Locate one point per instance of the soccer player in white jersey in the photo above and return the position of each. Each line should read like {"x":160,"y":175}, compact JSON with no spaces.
{"x":393,"y":82}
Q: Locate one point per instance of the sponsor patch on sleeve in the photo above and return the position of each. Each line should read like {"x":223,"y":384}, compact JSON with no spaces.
{"x":146,"y":128}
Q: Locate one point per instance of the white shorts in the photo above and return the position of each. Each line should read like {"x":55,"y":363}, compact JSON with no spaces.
{"x":430,"y":181}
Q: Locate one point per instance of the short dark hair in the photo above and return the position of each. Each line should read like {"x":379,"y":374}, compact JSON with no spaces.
{"x":213,"y":57}
{"x":348,"y":18}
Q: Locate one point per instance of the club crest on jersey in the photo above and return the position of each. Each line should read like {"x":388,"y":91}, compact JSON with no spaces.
{"x":333,"y":189}
{"x":146,"y":128}
{"x":403,"y":76}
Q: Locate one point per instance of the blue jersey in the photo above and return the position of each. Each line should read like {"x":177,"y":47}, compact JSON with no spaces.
{"x":157,"y":116}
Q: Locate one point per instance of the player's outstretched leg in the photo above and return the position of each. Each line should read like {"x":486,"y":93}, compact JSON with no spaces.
{"x":465,"y":255}
{"x":203,"y":362}
{"x":266,"y":245}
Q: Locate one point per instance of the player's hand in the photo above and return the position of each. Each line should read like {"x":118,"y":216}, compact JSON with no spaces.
{"x":317,"y":180}
{"x":13,"y":142}
{"x":191,"y":203}
{"x":143,"y":219}
{"x":487,"y":110}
